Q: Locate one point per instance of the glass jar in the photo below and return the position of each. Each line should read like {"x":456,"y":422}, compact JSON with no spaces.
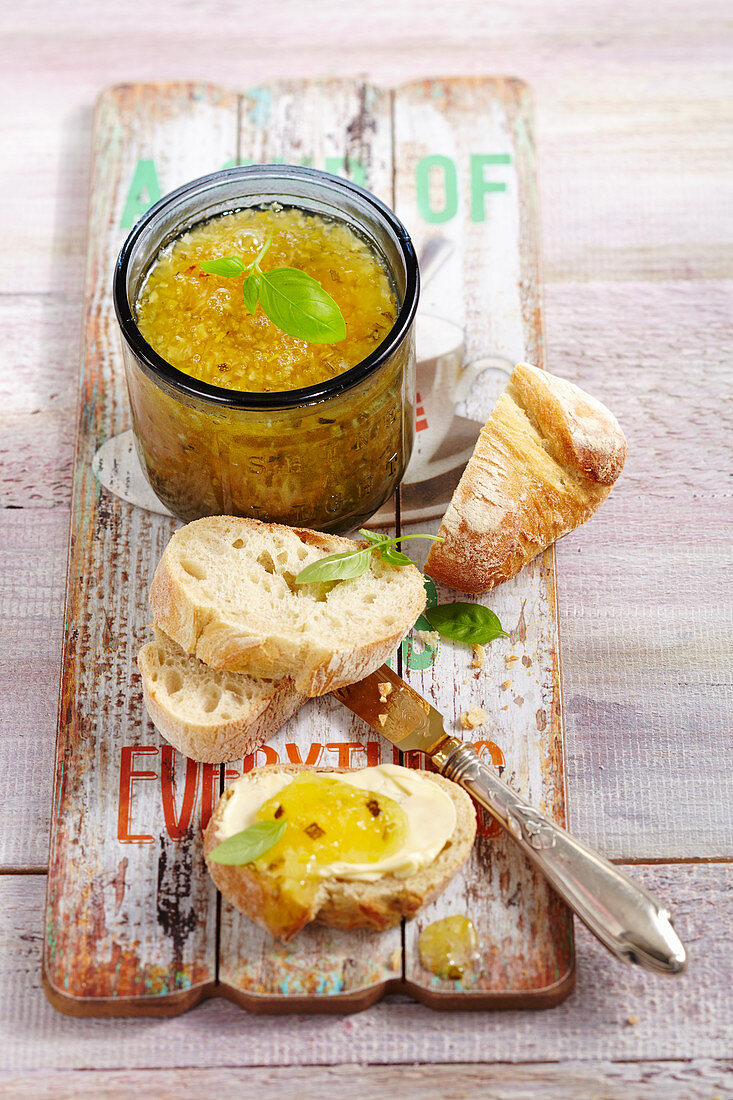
{"x":325,"y":456}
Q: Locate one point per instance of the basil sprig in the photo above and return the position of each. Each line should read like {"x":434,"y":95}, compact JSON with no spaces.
{"x":354,"y":563}
{"x":250,"y":844}
{"x":292,"y":300}
{"x":465,"y":622}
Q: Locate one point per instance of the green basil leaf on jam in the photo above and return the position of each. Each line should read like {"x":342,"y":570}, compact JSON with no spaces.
{"x":228,"y":266}
{"x":336,"y":567}
{"x":300,"y":307}
{"x":251,"y":291}
{"x":250,"y":844}
{"x":465,"y":622}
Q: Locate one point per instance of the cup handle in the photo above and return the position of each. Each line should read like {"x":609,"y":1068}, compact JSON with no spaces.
{"x":470,"y":373}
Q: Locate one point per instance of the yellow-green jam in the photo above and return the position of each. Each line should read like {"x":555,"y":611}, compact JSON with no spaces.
{"x":448,"y":947}
{"x":199,"y":323}
{"x":327,"y":822}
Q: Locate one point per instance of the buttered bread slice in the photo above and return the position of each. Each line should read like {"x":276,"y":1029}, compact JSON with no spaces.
{"x":356,"y":849}
{"x":225,"y":591}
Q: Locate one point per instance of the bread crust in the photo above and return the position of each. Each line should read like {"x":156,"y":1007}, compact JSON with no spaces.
{"x":212,"y":739}
{"x":544,"y":462}
{"x":373,"y":905}
{"x":213,"y":633}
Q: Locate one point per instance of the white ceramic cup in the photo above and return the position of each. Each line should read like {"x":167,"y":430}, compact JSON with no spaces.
{"x":442,"y":383}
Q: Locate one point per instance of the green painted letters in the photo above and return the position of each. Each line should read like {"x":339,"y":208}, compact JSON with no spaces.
{"x":144,"y":191}
{"x":354,"y":169}
{"x":480,"y":186}
{"x":450,"y":184}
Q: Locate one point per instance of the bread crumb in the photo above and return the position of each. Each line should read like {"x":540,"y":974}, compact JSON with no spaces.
{"x":428,"y":637}
{"x":509,"y":661}
{"x":474,"y":717}
{"x":382,"y":718}
{"x":505,"y":685}
{"x":479,"y":656}
{"x":395,"y":959}
{"x":384,"y":690}
{"x":632,"y":1020}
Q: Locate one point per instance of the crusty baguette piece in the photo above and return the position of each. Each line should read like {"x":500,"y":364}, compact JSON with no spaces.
{"x":544,"y":461}
{"x":208,"y":714}
{"x":225,"y":591}
{"x":376,"y":905}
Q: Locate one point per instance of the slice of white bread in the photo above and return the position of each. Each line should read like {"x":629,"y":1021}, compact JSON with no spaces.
{"x":225,"y":591}
{"x":342,"y":904}
{"x":207,"y":714}
{"x":544,"y":461}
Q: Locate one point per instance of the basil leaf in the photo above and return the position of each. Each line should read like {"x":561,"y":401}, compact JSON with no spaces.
{"x":300,"y":306}
{"x":374,"y":537}
{"x":250,"y":844}
{"x":336,"y":567}
{"x":251,"y":291}
{"x":393,"y":556}
{"x":228,"y":266}
{"x":465,"y":622}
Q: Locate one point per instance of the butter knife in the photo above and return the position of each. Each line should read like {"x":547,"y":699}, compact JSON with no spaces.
{"x":625,"y":917}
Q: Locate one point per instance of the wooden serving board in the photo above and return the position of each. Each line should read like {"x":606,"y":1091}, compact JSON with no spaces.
{"x":134,"y":925}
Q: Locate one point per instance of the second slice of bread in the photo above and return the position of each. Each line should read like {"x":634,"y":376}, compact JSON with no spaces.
{"x":225,"y":591}
{"x":210,"y":715}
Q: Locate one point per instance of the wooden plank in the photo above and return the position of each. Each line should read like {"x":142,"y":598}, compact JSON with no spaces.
{"x":33,"y":545}
{"x":549,"y":1081}
{"x":114,"y":554}
{"x":644,"y":587}
{"x":38,"y":399}
{"x":108,"y":943}
{"x":490,"y":286}
{"x":344,"y":127}
{"x":673,"y":1018}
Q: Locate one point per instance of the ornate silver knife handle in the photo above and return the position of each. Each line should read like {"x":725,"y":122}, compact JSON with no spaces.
{"x":624,"y":916}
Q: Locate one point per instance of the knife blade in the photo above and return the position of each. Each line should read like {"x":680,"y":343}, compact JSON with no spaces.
{"x":625,"y":917}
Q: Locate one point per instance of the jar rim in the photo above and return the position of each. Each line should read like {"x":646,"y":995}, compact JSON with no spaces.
{"x":276,"y":399}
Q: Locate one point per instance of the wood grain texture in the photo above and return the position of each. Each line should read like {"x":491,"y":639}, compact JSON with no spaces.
{"x":101,"y":955}
{"x":490,"y":285}
{"x":633,"y":103}
{"x":645,"y":586}
{"x":33,"y":547}
{"x":169,"y":929}
{"x":698,"y":1080}
{"x":633,"y":117}
{"x":690,"y":1017}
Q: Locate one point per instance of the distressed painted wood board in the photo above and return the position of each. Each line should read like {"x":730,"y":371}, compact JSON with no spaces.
{"x":134,"y":925}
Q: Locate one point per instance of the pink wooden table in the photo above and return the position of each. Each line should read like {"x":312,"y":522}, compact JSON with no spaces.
{"x":633,"y":109}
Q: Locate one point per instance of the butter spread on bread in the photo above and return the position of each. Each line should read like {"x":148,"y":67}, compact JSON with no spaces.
{"x":545,"y":460}
{"x":344,"y":885}
{"x":430,"y":818}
